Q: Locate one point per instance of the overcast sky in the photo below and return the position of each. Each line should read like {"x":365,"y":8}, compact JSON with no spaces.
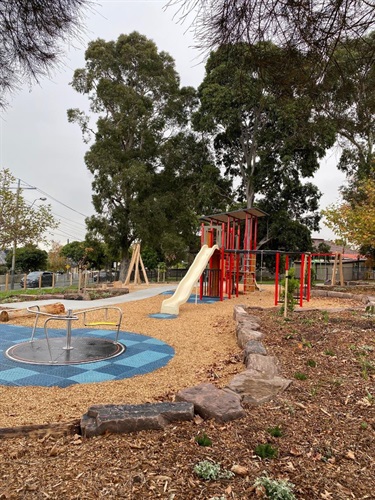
{"x":39,"y":146}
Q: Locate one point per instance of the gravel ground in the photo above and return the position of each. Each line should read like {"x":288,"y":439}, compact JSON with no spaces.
{"x":202,"y":335}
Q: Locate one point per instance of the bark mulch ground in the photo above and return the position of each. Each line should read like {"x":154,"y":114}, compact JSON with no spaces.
{"x":326,"y":418}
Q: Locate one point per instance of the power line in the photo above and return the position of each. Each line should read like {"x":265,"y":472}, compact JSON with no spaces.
{"x":56,"y":200}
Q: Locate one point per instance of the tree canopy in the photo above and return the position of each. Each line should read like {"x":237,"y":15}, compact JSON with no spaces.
{"x":142,"y":123}
{"x":18,"y":221}
{"x":30,"y":37}
{"x":355,"y":221}
{"x":259,"y":109}
{"x":28,"y":258}
{"x":348,"y":99}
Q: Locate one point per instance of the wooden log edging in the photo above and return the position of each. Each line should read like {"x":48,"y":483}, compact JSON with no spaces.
{"x":56,"y":429}
{"x":8,"y":314}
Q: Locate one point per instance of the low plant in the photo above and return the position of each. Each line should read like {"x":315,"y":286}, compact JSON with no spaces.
{"x":306,"y":343}
{"x":293,"y":285}
{"x":266,"y":451}
{"x":370,"y":397}
{"x":275,"y":431}
{"x":203,"y":440}
{"x":276,"y":489}
{"x":300,"y":376}
{"x":367,"y":367}
{"x":329,"y":352}
{"x":211,"y":471}
{"x":325,"y":316}
{"x":311,"y":363}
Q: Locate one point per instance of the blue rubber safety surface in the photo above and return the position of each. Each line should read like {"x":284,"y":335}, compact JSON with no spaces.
{"x":193,"y":298}
{"x":163,"y":316}
{"x":143,"y":354}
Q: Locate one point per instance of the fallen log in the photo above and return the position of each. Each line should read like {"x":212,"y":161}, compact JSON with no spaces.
{"x":57,"y":429}
{"x":6,"y":315}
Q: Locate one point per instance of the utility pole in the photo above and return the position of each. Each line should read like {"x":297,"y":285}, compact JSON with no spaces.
{"x":15,"y":236}
{"x":12,"y":271}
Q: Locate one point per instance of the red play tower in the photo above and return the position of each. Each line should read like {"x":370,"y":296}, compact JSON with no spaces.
{"x":233,"y":263}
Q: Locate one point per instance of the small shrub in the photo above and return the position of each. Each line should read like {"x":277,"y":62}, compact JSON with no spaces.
{"x":211,"y":471}
{"x":325,"y":316}
{"x":300,"y":376}
{"x":311,"y":363}
{"x":276,"y":489}
{"x":293,"y":286}
{"x":329,"y":352}
{"x":203,"y":440}
{"x":266,"y":451}
{"x":275,"y":431}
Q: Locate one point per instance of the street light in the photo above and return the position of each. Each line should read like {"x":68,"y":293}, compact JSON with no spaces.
{"x":41,"y":199}
{"x":12,"y":271}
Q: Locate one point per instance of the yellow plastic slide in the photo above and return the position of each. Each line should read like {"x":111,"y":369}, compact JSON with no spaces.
{"x":186,"y":285}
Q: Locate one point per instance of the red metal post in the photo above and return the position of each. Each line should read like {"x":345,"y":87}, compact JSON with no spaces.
{"x":238,"y":257}
{"x":308,"y":278}
{"x":202,"y":234}
{"x":222,"y":262}
{"x":301,"y":279}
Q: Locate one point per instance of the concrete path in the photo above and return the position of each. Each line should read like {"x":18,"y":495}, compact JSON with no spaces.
{"x":87,"y":304}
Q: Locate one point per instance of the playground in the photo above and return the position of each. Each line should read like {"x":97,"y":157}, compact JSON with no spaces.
{"x":327,"y":416}
{"x":320,"y":430}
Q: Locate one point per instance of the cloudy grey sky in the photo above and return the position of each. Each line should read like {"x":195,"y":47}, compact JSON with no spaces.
{"x":39,"y":146}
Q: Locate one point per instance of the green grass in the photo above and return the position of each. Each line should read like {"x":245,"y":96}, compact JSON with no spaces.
{"x":9,"y":294}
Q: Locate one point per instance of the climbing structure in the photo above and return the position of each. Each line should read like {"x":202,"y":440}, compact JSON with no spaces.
{"x":232,"y":265}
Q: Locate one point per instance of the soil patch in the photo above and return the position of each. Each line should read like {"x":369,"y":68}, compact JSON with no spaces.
{"x":327,"y":416}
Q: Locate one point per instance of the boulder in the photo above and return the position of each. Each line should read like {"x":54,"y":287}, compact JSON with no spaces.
{"x":266,"y":365}
{"x":211,"y":402}
{"x":255,"y":389}
{"x":253,"y":347}
{"x":244,"y":335}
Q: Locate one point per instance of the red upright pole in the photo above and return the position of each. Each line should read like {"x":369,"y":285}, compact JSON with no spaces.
{"x":308,"y":278}
{"x":301,"y":279}
{"x":277,"y":278}
{"x":202,"y":234}
{"x":201,"y":278}
{"x":238,"y":258}
{"x":222,"y":262}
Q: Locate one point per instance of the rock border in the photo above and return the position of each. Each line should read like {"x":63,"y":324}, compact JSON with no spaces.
{"x":258,"y":383}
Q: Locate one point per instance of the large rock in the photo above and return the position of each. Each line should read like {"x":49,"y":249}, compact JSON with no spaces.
{"x":211,"y":402}
{"x":266,"y":365}
{"x":133,"y":418}
{"x":245,"y":333}
{"x":239,"y":312}
{"x":253,"y":347}
{"x":255,"y":389}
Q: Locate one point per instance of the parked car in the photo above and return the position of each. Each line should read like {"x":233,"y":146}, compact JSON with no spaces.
{"x":103,"y":276}
{"x":33,"y":279}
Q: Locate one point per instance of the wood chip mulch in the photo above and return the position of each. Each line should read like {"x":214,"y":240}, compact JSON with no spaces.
{"x":326,"y":417}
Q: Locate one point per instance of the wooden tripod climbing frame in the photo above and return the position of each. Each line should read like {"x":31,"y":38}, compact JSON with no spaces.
{"x":136,"y":263}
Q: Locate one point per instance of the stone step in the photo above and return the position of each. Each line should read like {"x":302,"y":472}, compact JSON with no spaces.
{"x":133,"y":418}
